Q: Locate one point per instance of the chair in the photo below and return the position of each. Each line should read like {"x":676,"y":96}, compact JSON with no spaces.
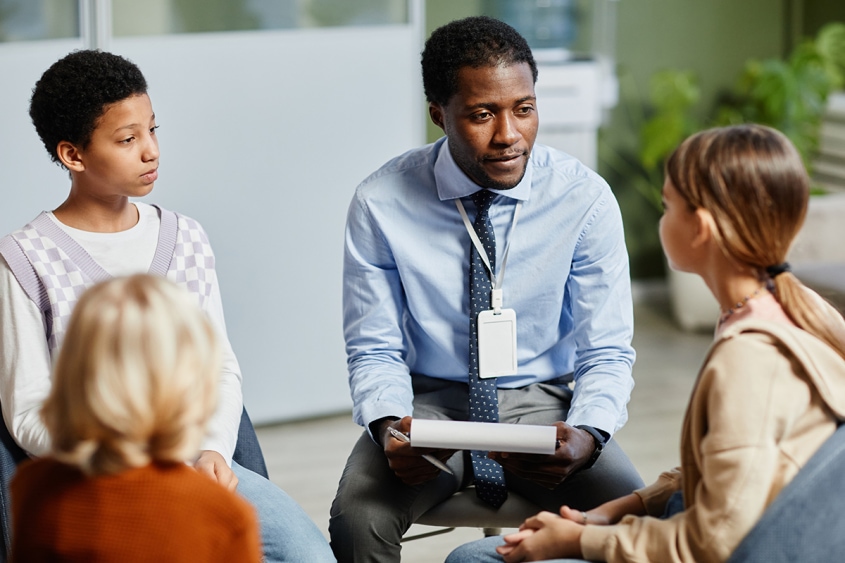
{"x":465,"y":510}
{"x":10,"y":456}
{"x":248,"y":454}
{"x":806,"y":521}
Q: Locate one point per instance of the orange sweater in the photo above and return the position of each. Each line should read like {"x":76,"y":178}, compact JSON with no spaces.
{"x":157,"y":513}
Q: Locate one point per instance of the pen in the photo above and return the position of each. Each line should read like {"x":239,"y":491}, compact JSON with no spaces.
{"x":429,"y":458}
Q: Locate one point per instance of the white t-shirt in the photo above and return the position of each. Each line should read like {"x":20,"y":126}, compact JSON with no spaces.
{"x":25,"y":364}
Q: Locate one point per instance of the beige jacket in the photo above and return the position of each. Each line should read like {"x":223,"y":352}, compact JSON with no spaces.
{"x":766,"y":398}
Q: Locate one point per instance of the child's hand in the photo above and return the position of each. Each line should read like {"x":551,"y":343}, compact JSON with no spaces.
{"x":212,"y":464}
{"x":512,"y":540}
{"x":608,"y":513}
{"x":593,"y":517}
{"x":541,"y":537}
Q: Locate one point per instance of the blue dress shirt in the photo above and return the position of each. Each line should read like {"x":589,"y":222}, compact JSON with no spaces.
{"x":406,"y":295}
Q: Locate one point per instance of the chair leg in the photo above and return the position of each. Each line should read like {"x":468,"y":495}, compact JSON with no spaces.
{"x":491,"y":532}
{"x":427,"y":534}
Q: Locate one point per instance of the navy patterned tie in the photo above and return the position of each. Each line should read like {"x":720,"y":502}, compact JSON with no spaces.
{"x":483,"y":398}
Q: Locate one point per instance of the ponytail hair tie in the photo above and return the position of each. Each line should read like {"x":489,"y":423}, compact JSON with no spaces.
{"x":778,"y":269}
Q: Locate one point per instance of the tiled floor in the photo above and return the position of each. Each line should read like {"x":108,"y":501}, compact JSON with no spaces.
{"x":306,"y":458}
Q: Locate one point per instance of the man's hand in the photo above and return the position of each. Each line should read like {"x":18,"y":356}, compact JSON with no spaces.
{"x":576,"y":447}
{"x":213,"y":465}
{"x":542,"y":537}
{"x":407,"y":462}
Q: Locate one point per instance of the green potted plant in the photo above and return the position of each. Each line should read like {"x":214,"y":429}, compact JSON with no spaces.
{"x":790,"y":95}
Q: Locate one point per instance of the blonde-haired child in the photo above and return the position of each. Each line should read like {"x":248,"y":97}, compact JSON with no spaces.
{"x":134,"y":386}
{"x":770,"y":392}
{"x":94,"y":115}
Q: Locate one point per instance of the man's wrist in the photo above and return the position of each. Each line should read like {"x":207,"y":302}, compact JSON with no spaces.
{"x":600,"y":439}
{"x":377,"y":427}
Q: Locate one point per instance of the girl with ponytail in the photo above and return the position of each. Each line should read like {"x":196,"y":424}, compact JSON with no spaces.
{"x":747,"y":190}
{"x":771,"y":390}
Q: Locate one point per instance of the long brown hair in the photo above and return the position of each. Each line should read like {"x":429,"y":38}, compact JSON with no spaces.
{"x":752,"y":181}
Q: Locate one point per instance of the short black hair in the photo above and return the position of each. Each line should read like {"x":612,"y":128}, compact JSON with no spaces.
{"x":475,"y":42}
{"x":74,"y":93}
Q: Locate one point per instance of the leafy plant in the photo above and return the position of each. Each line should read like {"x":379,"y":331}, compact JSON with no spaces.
{"x":789,"y":95}
{"x":673,"y":95}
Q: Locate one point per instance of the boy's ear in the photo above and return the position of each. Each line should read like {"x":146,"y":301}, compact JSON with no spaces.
{"x":70,"y":156}
{"x":704,"y":226}
{"x":435,"y":112}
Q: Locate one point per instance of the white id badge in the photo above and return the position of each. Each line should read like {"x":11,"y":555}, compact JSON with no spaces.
{"x":496,"y":343}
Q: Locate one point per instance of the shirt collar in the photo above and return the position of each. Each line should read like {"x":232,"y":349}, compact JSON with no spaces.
{"x":453,"y":183}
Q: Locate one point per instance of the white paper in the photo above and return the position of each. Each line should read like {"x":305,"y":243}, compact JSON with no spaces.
{"x":485,"y":436}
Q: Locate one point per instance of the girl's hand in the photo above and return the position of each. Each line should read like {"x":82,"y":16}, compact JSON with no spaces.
{"x":594,"y":517}
{"x":512,"y":540}
{"x":608,"y":513}
{"x":541,"y":537}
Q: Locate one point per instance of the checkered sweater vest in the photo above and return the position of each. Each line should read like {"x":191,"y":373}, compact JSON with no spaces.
{"x":54,"y":270}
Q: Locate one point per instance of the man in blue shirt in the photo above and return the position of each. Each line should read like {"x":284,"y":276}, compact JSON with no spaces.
{"x":410,"y":340}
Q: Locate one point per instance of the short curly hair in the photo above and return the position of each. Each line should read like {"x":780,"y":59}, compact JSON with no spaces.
{"x":75,"y":92}
{"x":475,"y":42}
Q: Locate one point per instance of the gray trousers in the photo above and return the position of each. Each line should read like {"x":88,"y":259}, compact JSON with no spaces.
{"x":373,"y":508}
